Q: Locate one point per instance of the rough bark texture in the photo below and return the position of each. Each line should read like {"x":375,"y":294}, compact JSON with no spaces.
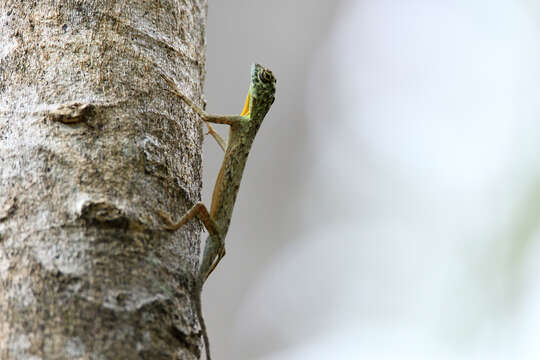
{"x":91,"y":144}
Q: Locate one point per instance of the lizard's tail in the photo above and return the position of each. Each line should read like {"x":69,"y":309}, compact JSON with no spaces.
{"x":198,"y":292}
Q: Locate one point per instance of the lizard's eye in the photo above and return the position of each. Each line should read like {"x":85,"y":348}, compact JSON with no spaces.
{"x":265,"y":76}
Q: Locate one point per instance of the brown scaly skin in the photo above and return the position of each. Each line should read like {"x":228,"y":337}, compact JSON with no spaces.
{"x":243,"y":130}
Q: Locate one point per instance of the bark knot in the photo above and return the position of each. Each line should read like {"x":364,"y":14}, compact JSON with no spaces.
{"x":72,"y":113}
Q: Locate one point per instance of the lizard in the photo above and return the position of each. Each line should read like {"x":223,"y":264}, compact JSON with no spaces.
{"x":243,"y":129}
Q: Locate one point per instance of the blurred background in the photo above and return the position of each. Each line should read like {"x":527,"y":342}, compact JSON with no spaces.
{"x":391,"y":202}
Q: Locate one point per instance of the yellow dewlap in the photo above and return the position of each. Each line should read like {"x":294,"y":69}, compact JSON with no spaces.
{"x":246,"y":106}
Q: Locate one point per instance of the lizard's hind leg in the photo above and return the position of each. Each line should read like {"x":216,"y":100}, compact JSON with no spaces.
{"x":198,"y":210}
{"x":214,"y":251}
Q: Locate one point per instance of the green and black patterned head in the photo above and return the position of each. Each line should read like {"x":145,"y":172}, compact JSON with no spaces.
{"x":261,"y":93}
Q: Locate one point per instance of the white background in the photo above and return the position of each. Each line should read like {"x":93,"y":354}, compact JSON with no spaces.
{"x":391,"y":202}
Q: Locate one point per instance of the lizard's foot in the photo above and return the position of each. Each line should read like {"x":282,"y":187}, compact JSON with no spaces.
{"x":169,"y":224}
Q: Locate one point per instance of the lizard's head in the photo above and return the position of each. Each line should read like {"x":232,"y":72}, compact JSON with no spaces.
{"x":261,"y":91}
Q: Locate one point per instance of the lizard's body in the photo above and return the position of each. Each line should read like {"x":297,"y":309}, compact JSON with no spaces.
{"x":243,"y":130}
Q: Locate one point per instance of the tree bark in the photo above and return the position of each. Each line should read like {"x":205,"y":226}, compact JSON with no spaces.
{"x":91,"y":145}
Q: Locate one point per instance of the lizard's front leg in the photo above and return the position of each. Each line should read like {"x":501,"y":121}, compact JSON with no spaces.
{"x":205,"y":117}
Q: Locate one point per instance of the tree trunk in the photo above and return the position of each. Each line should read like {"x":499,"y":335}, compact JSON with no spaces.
{"x":92,"y":143}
